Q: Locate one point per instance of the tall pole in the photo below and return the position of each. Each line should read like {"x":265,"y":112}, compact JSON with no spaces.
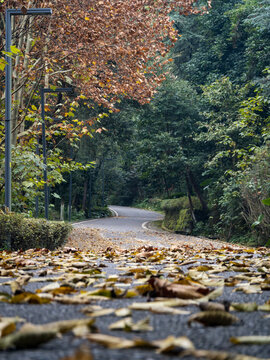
{"x":8,"y":97}
{"x":70,"y":190}
{"x":44,"y":149}
{"x":37,"y":202}
{"x":90,"y":194}
{"x":8,"y":81}
{"x":103,"y":203}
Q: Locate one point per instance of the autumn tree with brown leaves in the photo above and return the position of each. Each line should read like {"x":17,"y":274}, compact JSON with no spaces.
{"x":107,"y":49}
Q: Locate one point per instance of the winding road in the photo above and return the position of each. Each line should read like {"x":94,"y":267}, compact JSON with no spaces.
{"x":128,"y":226}
{"x":246,"y":268}
{"x":132,"y":227}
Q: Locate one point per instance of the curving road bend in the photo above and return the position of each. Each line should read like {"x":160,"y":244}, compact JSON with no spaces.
{"x":132,"y":227}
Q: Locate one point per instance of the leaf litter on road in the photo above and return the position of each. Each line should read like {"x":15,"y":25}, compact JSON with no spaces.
{"x":160,"y":280}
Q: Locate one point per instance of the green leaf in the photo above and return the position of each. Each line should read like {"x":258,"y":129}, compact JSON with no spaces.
{"x":266,"y":201}
{"x":15,"y":50}
{"x":257,"y":222}
{"x":2,"y":64}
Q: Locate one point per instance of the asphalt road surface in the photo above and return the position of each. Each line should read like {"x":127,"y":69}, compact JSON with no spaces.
{"x":129,"y":224}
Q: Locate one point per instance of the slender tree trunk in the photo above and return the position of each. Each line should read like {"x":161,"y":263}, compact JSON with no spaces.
{"x":20,"y":69}
{"x":166,"y":185}
{"x":189,"y":191}
{"x":85,"y":187}
{"x":196,"y":189}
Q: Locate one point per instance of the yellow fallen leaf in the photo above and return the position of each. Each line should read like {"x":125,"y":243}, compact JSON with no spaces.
{"x":101,"y":312}
{"x":8,"y":325}
{"x":173,"y":345}
{"x":168,"y":310}
{"x":158,"y":304}
{"x":248,"y":307}
{"x":27,"y":338}
{"x":122,"y":312}
{"x":250,"y":340}
{"x":112,"y":342}
{"x":27,"y":297}
{"x":128,"y":325}
{"x":218,"y":355}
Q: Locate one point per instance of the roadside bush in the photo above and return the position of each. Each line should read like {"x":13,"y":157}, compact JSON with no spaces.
{"x":25,"y":233}
{"x":153,"y":204}
{"x":255,"y":187}
{"x":99,"y":212}
{"x":177,"y":214}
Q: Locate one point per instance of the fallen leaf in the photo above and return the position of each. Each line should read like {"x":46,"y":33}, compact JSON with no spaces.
{"x":127,"y":324}
{"x":251,"y":340}
{"x":218,"y":355}
{"x":173,"y":345}
{"x":83,"y":353}
{"x":27,"y":338}
{"x":30,"y":298}
{"x":158,"y":304}
{"x":112,"y":342}
{"x":101,"y":312}
{"x":206,"y":305}
{"x":168,"y":310}
{"x":213,"y":318}
{"x":8,"y":325}
{"x":244,"y":306}
{"x":122,"y":312}
{"x":164,"y":288}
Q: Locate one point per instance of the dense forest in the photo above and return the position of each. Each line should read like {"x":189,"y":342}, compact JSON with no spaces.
{"x":197,"y":127}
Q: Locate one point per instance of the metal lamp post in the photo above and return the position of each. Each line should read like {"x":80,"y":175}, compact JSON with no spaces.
{"x":8,"y":98}
{"x":43,"y":92}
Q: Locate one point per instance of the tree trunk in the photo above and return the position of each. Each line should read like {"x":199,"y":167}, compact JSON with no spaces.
{"x":197,"y":190}
{"x":189,"y":190}
{"x":84,"y":195}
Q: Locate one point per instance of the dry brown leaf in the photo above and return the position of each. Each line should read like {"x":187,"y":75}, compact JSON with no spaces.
{"x":164,"y":288}
{"x":83,"y":353}
{"x":213,"y":306}
{"x":213,"y":318}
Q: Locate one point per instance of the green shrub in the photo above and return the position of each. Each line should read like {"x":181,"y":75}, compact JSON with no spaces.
{"x":99,"y":212}
{"x":24,"y":233}
{"x":177,"y":213}
{"x":184,"y":223}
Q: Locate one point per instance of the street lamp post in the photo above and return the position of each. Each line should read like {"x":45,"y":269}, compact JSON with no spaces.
{"x":43,"y":92}
{"x":70,"y":190}
{"x":8,"y":97}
